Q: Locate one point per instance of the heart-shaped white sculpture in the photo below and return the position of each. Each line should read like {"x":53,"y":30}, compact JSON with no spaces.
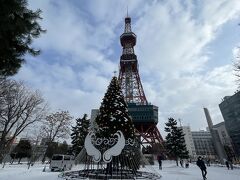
{"x":116,"y":149}
{"x":107,"y":155}
{"x":91,"y":149}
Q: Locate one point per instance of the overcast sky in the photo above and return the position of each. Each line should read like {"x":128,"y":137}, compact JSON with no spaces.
{"x":185,"y":52}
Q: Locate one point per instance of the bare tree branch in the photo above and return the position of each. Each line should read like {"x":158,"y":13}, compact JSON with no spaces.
{"x":57,"y":126}
{"x":237,"y":66}
{"x":19,"y":108}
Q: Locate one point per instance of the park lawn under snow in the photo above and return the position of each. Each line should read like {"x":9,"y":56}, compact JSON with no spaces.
{"x":170,"y":172}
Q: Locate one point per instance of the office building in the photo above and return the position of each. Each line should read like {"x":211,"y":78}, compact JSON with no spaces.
{"x":218,"y":146}
{"x":223,"y":134}
{"x":94,"y":114}
{"x":189,"y":141}
{"x":203,"y":143}
{"x":230,"y":109}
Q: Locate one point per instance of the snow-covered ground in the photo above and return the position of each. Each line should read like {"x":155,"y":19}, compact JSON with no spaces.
{"x":169,"y":172}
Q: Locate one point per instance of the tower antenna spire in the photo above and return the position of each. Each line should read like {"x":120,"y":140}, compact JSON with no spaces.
{"x":145,"y":116}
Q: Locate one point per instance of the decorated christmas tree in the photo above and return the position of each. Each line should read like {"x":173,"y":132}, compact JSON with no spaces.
{"x":111,"y":150}
{"x":113,"y":144}
{"x":113,"y":117}
{"x":113,"y":113}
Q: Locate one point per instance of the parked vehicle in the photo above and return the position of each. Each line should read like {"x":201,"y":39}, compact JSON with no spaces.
{"x":61,"y":162}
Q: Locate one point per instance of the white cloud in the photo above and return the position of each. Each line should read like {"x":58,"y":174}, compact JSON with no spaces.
{"x":173,"y":53}
{"x":172,"y":49}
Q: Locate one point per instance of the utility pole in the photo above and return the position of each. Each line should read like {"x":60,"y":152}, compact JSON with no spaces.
{"x":180,"y":122}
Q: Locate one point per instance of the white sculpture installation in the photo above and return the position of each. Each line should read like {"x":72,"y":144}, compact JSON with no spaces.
{"x":107,"y":155}
{"x":90,"y":148}
{"x":116,"y":149}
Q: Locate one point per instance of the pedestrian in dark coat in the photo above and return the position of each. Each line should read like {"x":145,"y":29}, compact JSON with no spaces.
{"x":181,"y":163}
{"x":208,"y":162}
{"x":201,"y":165}
{"x":227,"y":164}
{"x":187,"y":164}
{"x":159,"y":158}
{"x":230,"y":163}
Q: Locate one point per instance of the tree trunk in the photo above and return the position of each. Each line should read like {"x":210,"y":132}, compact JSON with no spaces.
{"x":177,"y":161}
{"x":19,"y":160}
{"x":44,"y":158}
{"x":12,"y":160}
{"x":2,"y":150}
{"x":1,"y":158}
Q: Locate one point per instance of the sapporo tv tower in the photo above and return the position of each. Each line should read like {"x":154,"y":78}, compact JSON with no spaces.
{"x":144,"y":115}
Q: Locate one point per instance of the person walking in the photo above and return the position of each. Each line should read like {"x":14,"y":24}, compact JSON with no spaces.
{"x":181,"y":162}
{"x":187,"y":164}
{"x":208,"y":162}
{"x":159,"y":158}
{"x":227,"y":164}
{"x":230,"y":163}
{"x":201,"y":165}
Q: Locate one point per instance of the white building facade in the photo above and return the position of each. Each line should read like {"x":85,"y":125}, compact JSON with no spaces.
{"x":94,"y":114}
{"x":203,"y":143}
{"x":189,"y":141}
{"x":223,"y":134}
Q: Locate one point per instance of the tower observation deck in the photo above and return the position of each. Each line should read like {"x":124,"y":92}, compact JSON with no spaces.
{"x":144,"y":115}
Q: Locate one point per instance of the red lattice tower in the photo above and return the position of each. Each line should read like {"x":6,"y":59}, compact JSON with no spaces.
{"x":132,"y":89}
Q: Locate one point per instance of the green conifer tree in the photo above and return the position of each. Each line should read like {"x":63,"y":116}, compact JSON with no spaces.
{"x":113,"y":116}
{"x":52,"y":148}
{"x":22,"y":150}
{"x":175,"y":143}
{"x":113,"y":113}
{"x":18,"y":28}
{"x":63,"y":148}
{"x":79,"y":132}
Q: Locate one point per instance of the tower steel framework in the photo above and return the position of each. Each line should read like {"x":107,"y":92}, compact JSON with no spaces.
{"x":133,"y":92}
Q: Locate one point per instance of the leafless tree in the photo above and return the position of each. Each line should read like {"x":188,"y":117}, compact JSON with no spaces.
{"x":19,"y":108}
{"x":237,"y":71}
{"x":237,"y":66}
{"x":57,"y":126}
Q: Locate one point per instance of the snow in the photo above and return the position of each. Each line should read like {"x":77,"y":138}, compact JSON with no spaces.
{"x":172,"y":172}
{"x":169,"y":172}
{"x":21,"y":172}
{"x":112,"y":118}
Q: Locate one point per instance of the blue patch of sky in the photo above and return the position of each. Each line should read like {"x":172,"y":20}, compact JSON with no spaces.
{"x":115,"y":45}
{"x":83,"y":9}
{"x":52,"y":57}
{"x":197,"y":8}
{"x":221,"y":48}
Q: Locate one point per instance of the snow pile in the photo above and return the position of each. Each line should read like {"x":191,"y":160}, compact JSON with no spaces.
{"x":170,"y":172}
